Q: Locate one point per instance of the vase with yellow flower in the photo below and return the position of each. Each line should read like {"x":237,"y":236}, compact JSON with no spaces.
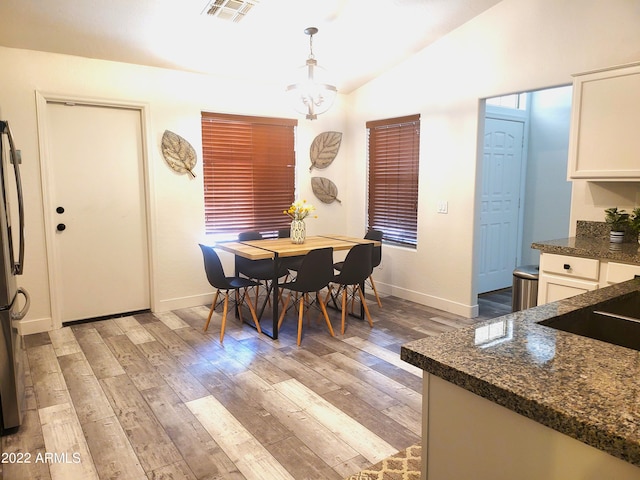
{"x":298,"y":211}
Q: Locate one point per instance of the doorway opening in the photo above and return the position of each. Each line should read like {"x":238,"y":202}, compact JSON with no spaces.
{"x":523,"y":192}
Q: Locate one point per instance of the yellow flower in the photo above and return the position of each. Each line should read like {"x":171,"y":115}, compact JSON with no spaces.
{"x":299,"y":210}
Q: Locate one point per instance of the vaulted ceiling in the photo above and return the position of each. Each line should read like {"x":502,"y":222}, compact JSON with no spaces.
{"x":357,"y":39}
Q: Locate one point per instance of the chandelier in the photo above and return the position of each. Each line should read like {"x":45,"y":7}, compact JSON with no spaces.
{"x":311,"y":95}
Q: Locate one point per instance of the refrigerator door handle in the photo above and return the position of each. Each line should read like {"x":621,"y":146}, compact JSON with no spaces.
{"x":22,"y":313}
{"x":16,"y":160}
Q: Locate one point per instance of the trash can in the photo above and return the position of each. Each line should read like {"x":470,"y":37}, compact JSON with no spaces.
{"x":525,"y":287}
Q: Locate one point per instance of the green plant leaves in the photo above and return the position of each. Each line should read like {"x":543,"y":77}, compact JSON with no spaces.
{"x":178,"y":153}
{"x":324,"y":149}
{"x":325,"y":190}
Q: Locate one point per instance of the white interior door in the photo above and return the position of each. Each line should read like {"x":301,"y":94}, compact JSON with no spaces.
{"x":500,"y":203}
{"x":96,"y":189}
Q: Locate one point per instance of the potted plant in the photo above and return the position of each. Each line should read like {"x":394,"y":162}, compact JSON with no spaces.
{"x":618,"y":220}
{"x":634,"y":222}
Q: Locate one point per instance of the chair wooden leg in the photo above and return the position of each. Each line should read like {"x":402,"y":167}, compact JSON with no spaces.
{"x":375,"y":291}
{"x":328,"y":295}
{"x":280,"y":291}
{"x":257,"y":295}
{"x":215,"y":298}
{"x":224,"y":314}
{"x":253,"y":313}
{"x":344,"y":308}
{"x":284,"y":310}
{"x":213,"y":306}
{"x":326,"y":315}
{"x":300,"y":315}
{"x":364,"y":305}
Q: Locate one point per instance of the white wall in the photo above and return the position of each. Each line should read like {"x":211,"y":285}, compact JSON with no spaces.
{"x":547,"y":198}
{"x":590,"y":199}
{"x":518,"y":45}
{"x":174,"y":101}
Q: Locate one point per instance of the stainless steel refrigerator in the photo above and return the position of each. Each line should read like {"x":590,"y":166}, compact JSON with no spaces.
{"x":14,"y":301}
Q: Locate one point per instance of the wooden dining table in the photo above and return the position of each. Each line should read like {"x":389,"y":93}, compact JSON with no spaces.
{"x":278,"y":248}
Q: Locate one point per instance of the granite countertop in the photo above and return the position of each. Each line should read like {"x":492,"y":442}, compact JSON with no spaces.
{"x":592,"y":247}
{"x":584,"y":388}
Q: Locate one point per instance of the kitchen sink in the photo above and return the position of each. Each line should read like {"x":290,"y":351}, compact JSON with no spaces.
{"x":614,"y":321}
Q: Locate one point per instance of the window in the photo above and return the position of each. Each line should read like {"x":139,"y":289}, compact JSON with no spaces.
{"x":249,"y":172}
{"x":394,"y":146}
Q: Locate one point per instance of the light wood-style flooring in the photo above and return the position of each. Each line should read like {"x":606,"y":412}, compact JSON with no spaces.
{"x":152,"y":396}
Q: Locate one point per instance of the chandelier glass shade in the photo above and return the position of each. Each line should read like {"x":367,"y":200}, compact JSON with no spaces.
{"x":311,"y":94}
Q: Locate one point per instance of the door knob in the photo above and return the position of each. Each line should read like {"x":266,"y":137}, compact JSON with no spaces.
{"x":60,"y":227}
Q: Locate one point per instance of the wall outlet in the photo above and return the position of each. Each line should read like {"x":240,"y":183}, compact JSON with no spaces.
{"x":443,"y":206}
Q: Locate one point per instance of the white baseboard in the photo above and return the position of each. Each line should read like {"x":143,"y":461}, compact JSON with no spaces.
{"x":37,"y":325}
{"x":468,"y":311}
{"x":183,"y":302}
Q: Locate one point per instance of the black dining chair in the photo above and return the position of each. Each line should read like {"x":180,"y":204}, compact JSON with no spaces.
{"x":376,"y":258}
{"x":260,"y":270}
{"x":355,"y":269}
{"x":315,"y":273}
{"x":218,"y":280}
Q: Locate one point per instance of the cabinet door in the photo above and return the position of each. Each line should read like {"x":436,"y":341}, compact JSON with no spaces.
{"x":620,"y":272}
{"x":604,"y":141}
{"x":553,"y":288}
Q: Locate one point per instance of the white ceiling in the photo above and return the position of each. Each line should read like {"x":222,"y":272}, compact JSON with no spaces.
{"x":357,"y":39}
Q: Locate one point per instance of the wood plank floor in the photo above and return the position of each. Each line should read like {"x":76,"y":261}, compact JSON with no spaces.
{"x":152,"y":396}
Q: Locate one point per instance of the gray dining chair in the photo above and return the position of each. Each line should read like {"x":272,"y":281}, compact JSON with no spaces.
{"x":315,"y":273}
{"x":222,"y":283}
{"x":355,"y":270}
{"x":376,"y":258}
{"x":260,"y":270}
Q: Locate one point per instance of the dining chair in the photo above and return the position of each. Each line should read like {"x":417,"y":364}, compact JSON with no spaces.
{"x":355,"y":269}
{"x":376,"y":258}
{"x":260,"y":270}
{"x":315,"y":273}
{"x":218,"y":280}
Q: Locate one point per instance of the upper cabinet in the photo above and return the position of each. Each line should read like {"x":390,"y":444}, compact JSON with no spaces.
{"x":605,"y":125}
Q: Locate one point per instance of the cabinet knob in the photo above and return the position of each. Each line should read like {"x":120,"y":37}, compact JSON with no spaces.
{"x":566,"y":266}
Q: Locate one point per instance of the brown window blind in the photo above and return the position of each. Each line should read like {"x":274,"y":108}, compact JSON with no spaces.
{"x":394,"y":146}
{"x":249,"y":172}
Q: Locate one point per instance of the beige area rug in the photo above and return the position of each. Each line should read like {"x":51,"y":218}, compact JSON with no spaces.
{"x":404,"y":465}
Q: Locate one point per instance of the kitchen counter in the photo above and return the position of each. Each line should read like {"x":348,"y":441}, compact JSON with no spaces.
{"x":583,"y":388}
{"x":591,"y":247}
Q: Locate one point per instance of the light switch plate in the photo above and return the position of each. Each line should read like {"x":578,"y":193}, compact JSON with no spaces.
{"x":443,"y":206}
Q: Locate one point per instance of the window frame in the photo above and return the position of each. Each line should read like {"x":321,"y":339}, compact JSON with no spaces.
{"x":393,"y":156}
{"x":249,"y":173}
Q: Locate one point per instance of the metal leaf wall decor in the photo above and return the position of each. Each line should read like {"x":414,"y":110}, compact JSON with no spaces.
{"x":324,"y":149}
{"x":178,"y":153}
{"x":325,"y":190}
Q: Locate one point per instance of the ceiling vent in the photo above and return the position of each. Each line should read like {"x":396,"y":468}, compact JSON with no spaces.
{"x":232,"y":10}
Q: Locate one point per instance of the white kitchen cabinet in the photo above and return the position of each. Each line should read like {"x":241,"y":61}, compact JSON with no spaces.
{"x":604,"y":142}
{"x":552,"y":288}
{"x":617,"y":272}
{"x":467,"y":436}
{"x":563,"y":276}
